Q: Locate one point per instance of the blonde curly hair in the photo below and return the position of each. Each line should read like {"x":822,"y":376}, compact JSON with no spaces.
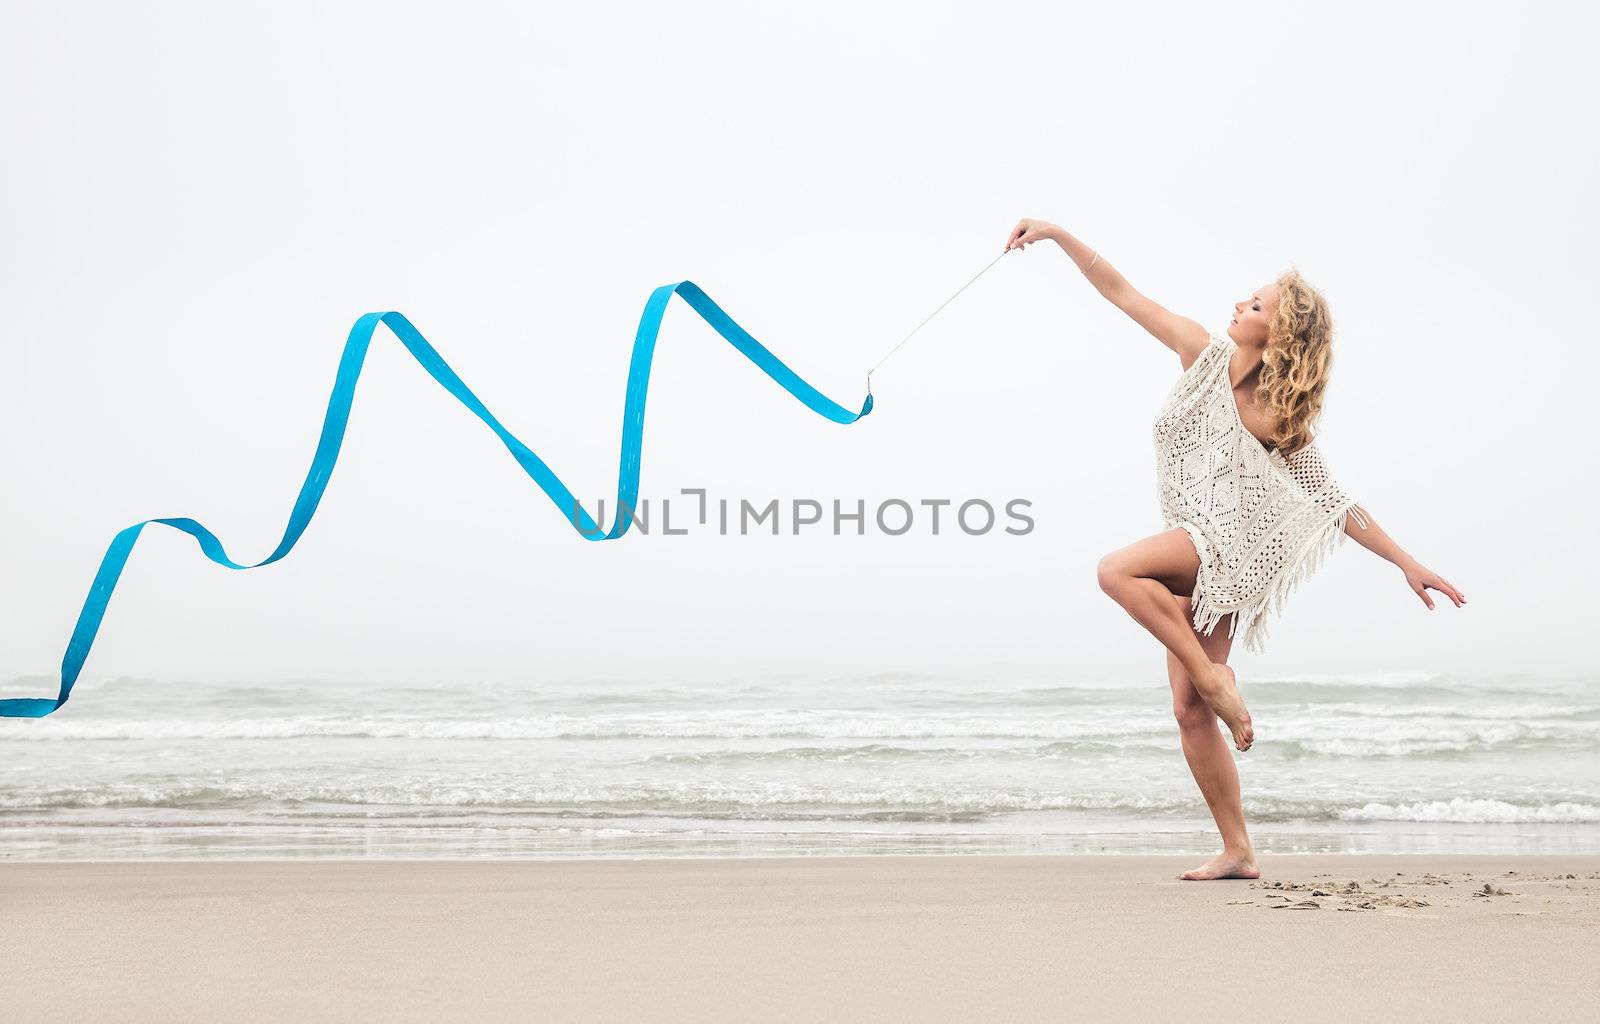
{"x":1296,"y":361}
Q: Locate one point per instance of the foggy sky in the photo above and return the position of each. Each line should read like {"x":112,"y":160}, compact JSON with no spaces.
{"x":200,"y":200}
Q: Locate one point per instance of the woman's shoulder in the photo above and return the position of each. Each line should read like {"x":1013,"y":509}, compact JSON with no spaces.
{"x":1305,"y":458}
{"x":1216,"y":345}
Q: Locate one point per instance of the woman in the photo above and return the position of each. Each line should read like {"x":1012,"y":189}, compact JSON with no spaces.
{"x":1249,"y":507}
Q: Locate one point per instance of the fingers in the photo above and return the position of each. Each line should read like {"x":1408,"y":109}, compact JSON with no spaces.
{"x":1424,"y":580}
{"x":1444,"y":587}
{"x":1022,"y":234}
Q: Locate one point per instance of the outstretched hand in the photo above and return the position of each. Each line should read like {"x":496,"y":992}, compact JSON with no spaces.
{"x":1421,"y":579}
{"x":1029,"y":231}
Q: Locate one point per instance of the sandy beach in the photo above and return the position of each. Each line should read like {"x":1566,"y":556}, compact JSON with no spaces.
{"x":846,"y":938}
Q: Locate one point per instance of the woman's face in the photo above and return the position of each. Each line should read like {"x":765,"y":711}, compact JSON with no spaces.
{"x":1252,"y":318}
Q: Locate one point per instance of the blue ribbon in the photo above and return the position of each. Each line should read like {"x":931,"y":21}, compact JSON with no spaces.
{"x":338,"y":416}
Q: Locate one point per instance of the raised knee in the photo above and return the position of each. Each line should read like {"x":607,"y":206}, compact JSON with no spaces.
{"x":1193,"y":715}
{"x":1109,"y":574}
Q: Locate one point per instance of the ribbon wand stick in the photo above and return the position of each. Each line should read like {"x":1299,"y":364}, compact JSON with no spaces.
{"x":930,"y":316}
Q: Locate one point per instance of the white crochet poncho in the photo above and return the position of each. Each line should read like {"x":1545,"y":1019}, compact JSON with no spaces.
{"x":1261,"y":522}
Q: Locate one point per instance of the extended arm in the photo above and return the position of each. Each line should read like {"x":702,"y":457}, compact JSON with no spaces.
{"x":1179,"y":333}
{"x":1309,"y":470}
{"x":1420,"y":578}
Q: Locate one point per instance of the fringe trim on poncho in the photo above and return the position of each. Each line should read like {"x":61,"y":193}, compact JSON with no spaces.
{"x":1252,"y":615}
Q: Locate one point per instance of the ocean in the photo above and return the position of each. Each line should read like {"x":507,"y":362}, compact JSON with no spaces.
{"x":1401,"y":762}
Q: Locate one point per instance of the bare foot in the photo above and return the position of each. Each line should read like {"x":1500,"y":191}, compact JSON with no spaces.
{"x":1224,"y":865}
{"x":1221,"y":692}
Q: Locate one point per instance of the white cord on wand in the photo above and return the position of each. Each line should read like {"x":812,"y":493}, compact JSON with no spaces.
{"x":930,"y":316}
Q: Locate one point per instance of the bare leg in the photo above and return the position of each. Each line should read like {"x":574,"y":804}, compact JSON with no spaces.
{"x":1211,"y":762}
{"x":1143,"y":578}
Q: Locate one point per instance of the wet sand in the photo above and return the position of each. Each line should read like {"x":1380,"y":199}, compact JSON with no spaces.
{"x":848,"y":938}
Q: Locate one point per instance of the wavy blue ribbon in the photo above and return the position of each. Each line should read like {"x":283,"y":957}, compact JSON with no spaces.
{"x":338,"y":416}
